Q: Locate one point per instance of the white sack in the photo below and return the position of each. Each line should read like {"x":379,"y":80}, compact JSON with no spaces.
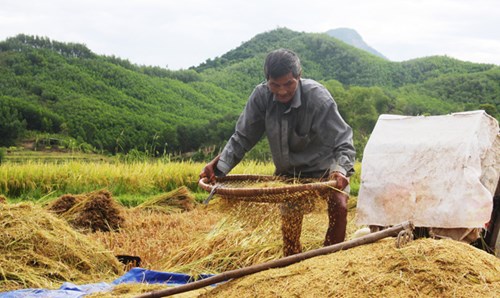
{"x":437,"y":171}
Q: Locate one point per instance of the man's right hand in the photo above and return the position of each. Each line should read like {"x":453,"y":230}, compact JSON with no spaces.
{"x":342,"y":181}
{"x":209,"y":169}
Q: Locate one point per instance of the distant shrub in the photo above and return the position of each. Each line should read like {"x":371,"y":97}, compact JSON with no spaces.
{"x":133,"y":156}
{"x":2,"y":154}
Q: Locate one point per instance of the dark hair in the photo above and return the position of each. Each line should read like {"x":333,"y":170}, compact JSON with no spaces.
{"x":281,"y":62}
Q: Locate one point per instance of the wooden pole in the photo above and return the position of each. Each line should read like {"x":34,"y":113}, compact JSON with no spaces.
{"x":282,"y":262}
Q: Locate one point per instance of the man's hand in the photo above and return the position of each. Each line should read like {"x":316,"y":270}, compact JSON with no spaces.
{"x":342,"y":181}
{"x":209,"y":169}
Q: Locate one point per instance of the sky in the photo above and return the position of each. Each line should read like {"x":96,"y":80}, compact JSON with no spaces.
{"x":178,"y":34}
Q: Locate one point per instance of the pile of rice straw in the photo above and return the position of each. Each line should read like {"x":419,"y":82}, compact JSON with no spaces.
{"x":157,"y":235}
{"x":94,"y":211}
{"x":423,"y":268}
{"x":175,"y":201}
{"x":247,"y":234}
{"x":39,"y":250}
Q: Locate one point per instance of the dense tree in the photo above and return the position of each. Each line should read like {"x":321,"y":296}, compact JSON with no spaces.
{"x":11,"y":126}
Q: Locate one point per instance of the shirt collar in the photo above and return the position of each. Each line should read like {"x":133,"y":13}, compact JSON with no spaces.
{"x":297,"y":99}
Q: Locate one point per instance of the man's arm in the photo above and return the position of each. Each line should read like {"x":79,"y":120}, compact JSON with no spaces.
{"x":344,"y":153}
{"x":249,"y":130}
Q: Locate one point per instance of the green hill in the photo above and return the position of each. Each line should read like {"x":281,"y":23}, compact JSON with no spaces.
{"x":116,"y":106}
{"x":104,"y":101}
{"x":326,"y":58}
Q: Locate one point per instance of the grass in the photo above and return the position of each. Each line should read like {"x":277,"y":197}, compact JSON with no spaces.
{"x":34,"y":179}
{"x":130,"y":183}
{"x":41,"y":176}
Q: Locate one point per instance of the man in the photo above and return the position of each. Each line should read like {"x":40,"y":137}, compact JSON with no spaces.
{"x":307,"y":136}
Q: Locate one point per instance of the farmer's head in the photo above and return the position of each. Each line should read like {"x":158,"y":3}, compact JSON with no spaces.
{"x":282,"y":69}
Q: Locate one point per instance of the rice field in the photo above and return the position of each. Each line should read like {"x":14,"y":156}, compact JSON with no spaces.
{"x":130,"y":183}
{"x":163,"y":221}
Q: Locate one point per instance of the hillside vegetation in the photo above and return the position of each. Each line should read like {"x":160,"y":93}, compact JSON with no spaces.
{"x":65,"y":91}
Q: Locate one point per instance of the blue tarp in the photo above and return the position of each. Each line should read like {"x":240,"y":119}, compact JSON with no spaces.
{"x":135,"y":275}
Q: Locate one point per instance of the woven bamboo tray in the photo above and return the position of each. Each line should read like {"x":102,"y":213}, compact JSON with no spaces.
{"x":260,"y":188}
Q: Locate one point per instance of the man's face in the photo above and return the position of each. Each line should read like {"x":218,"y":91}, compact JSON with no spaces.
{"x":283,"y":87}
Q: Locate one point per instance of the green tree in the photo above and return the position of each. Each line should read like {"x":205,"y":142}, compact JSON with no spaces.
{"x":11,"y":127}
{"x":489,"y":109}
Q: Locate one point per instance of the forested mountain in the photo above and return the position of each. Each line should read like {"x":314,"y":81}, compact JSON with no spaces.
{"x":104,"y":101}
{"x":115,"y":106}
{"x":326,"y":58}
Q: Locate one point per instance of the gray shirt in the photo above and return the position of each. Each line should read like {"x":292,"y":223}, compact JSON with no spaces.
{"x":307,"y":136}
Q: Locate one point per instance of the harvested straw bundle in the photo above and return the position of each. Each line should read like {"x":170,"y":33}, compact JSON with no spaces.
{"x":96,"y":211}
{"x":38,"y":249}
{"x":175,"y":201}
{"x":156,"y":235}
{"x":423,"y":268}
{"x":64,"y":203}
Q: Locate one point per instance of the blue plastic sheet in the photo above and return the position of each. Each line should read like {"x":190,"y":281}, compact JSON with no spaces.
{"x":135,"y":275}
